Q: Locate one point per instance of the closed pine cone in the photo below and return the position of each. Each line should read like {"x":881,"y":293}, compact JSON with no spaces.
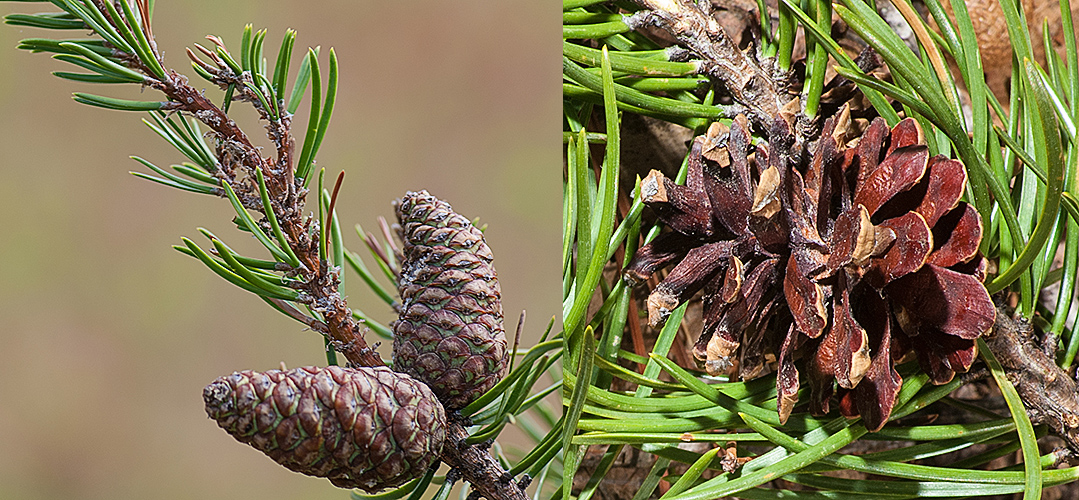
{"x":449,"y":333}
{"x":369,"y":428}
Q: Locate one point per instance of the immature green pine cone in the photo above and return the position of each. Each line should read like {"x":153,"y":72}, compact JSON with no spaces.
{"x":369,"y":428}
{"x":450,"y":332}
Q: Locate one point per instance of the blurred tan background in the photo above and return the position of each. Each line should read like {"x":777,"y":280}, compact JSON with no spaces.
{"x":107,"y":335}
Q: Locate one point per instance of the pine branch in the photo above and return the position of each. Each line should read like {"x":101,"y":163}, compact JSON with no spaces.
{"x":1049,"y":394}
{"x":239,"y":162}
{"x":474,"y":462}
{"x":274,"y":185}
{"x":747,"y":81}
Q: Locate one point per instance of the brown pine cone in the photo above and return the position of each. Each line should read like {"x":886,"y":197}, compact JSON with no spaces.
{"x":449,"y":333}
{"x":369,"y":428}
{"x":901,"y":267}
{"x":849,"y":260}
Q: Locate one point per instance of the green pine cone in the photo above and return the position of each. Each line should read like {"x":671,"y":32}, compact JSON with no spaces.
{"x":450,"y":332}
{"x":369,"y":428}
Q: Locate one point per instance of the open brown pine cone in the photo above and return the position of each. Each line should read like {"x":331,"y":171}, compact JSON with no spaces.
{"x":848,"y":262}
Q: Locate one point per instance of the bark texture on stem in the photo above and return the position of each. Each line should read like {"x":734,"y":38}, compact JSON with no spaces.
{"x":478,"y":467}
{"x":236,"y":150}
{"x":693,"y":27}
{"x":1050,"y":395}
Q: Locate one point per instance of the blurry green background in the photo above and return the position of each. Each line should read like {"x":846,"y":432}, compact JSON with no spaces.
{"x":107,"y":335}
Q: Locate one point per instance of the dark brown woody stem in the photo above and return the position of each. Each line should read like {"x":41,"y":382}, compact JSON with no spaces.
{"x":473,"y":461}
{"x":1050,"y":395}
{"x":236,"y":150}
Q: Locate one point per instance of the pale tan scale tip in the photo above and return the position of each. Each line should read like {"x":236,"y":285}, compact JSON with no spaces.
{"x":660,"y":306}
{"x":652,"y":188}
{"x":766,"y":196}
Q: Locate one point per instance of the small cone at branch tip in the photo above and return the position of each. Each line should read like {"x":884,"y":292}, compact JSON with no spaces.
{"x":369,"y":428}
{"x":450,"y":333}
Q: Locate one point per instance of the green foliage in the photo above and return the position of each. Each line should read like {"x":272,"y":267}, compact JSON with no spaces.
{"x":1022,"y":182}
{"x":266,"y":195}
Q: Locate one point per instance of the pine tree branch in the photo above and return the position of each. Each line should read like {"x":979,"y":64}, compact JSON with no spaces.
{"x":694,"y":28}
{"x":240,"y":163}
{"x":1050,"y":395}
{"x":235,"y":149}
{"x":479,"y":468}
{"x":236,"y":154}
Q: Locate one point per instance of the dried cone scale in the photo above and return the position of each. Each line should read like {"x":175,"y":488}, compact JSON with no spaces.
{"x":449,"y":333}
{"x":369,"y":428}
{"x":846,"y":263}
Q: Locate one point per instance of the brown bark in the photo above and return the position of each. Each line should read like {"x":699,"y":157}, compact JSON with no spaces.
{"x":474,"y":462}
{"x":747,"y":81}
{"x":1049,"y":394}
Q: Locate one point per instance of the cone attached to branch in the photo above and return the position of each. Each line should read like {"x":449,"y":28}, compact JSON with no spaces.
{"x":450,"y":333}
{"x":369,"y":428}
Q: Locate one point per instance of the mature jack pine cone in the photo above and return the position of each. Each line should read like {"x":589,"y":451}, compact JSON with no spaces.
{"x":369,"y":428}
{"x":449,"y":333}
{"x":874,"y":251}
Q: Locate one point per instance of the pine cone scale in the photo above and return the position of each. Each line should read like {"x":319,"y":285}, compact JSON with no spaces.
{"x":946,"y":179}
{"x":946,"y":300}
{"x":912,"y":246}
{"x":897,"y":173}
{"x":956,"y":237}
